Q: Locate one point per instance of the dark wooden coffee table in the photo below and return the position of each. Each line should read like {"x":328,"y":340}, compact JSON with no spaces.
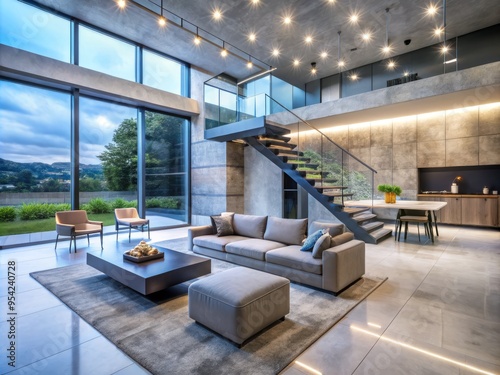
{"x":151,"y":276}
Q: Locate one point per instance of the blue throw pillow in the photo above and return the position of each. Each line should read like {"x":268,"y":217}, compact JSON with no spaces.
{"x":311,"y":240}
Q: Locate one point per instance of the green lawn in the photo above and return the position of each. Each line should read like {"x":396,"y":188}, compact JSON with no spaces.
{"x":43,"y":225}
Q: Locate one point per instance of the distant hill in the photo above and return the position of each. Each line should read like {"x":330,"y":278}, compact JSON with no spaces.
{"x":43,"y":170}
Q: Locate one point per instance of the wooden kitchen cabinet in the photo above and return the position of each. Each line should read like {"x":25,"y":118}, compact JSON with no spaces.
{"x":452,"y":212}
{"x":480,"y":211}
{"x":467,"y":209}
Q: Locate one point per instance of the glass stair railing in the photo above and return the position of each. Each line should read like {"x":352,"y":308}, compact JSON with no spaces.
{"x":327,"y":171}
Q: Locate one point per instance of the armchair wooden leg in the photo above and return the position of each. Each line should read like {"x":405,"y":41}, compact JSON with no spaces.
{"x":418,"y":229}
{"x":57,"y":238}
{"x":406,"y":230}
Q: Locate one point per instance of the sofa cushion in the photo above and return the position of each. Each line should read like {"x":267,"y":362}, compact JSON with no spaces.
{"x":341,"y":238}
{"x":252,"y":226}
{"x":311,"y":240}
{"x":321,"y":245}
{"x":287,"y":231}
{"x":334,"y":228}
{"x":223,"y":225}
{"x":292,"y":257}
{"x":211,"y":241}
{"x":252,"y":248}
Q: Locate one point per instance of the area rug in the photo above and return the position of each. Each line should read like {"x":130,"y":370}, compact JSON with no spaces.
{"x":158,"y":334}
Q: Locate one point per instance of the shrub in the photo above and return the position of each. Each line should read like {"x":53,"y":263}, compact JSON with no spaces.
{"x":122,"y":203}
{"x":7,"y":213}
{"x":35,"y":211}
{"x":164,"y":202}
{"x":97,"y":206}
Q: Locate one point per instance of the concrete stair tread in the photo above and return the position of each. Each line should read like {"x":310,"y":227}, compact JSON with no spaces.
{"x":372,"y":226}
{"x":364,"y":217}
{"x":355,"y":210}
{"x":381,"y":234}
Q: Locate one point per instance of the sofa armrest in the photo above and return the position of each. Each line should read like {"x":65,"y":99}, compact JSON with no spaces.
{"x":198,"y":231}
{"x":343,"y":264}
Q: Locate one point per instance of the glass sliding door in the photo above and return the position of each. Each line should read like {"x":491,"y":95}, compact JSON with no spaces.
{"x":166,"y":153}
{"x":35,"y":125}
{"x":108,"y":158}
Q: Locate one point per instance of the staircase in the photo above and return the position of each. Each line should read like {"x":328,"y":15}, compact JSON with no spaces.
{"x":264,"y":124}
{"x":275,"y":145}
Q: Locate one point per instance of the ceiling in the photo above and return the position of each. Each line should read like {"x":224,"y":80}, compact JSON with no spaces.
{"x":320,"y":19}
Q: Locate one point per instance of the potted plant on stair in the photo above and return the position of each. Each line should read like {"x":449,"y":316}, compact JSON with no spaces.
{"x":390,"y":192}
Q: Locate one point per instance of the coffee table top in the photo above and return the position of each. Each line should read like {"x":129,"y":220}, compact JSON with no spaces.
{"x":172,"y":260}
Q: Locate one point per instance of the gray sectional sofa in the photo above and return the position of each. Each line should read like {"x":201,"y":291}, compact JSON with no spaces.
{"x":273,"y":245}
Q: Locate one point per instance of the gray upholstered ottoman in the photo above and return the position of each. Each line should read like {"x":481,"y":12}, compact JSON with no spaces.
{"x":239,"y":302}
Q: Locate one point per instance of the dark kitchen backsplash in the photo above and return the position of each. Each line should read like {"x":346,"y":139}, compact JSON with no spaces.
{"x":473,"y":178}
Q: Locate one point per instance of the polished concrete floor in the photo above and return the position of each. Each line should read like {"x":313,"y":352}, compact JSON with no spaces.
{"x":438,"y":313}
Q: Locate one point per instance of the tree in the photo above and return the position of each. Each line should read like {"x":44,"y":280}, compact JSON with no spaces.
{"x":25,"y":180}
{"x":164,"y":150}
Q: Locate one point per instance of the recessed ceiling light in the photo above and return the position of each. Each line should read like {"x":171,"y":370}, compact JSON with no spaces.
{"x":121,"y":4}
{"x":444,"y":48}
{"x":354,"y":77}
{"x":431,"y":9}
{"x":296,"y":62}
{"x":331,"y":1}
{"x":387,"y":49}
{"x":217,"y":14}
{"x":308,"y":39}
{"x":438,"y":31}
{"x":252,"y":37}
{"x":275,"y":52}
{"x":324,"y":55}
{"x":341,"y":63}
{"x":366,"y":36}
{"x":354,"y":18}
{"x":391,"y":64}
{"x":255,"y":2}
{"x":287,"y":20}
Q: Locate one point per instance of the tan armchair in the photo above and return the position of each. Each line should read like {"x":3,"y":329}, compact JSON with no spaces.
{"x":76,"y":223}
{"x":129,"y":218}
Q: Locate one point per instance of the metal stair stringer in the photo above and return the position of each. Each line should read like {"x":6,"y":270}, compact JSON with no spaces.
{"x":335,"y":209}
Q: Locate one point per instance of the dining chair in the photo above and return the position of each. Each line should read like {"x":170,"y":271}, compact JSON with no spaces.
{"x":412,"y":216}
{"x":76,"y":223}
{"x":129,"y":217}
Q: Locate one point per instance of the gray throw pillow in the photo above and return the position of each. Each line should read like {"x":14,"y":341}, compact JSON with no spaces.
{"x":321,"y":245}
{"x":334,"y":228}
{"x":341,"y":238}
{"x":287,"y":231}
{"x":224,"y":225}
{"x":252,"y":226}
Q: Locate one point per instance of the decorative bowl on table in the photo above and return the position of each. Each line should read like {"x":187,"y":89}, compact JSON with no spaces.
{"x":142,"y":253}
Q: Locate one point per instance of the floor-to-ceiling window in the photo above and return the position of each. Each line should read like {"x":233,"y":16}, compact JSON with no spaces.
{"x":108,"y":157}
{"x":166,"y":152}
{"x":35,"y":125}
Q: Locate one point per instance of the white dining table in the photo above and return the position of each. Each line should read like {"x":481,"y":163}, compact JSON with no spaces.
{"x":429,"y":206}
